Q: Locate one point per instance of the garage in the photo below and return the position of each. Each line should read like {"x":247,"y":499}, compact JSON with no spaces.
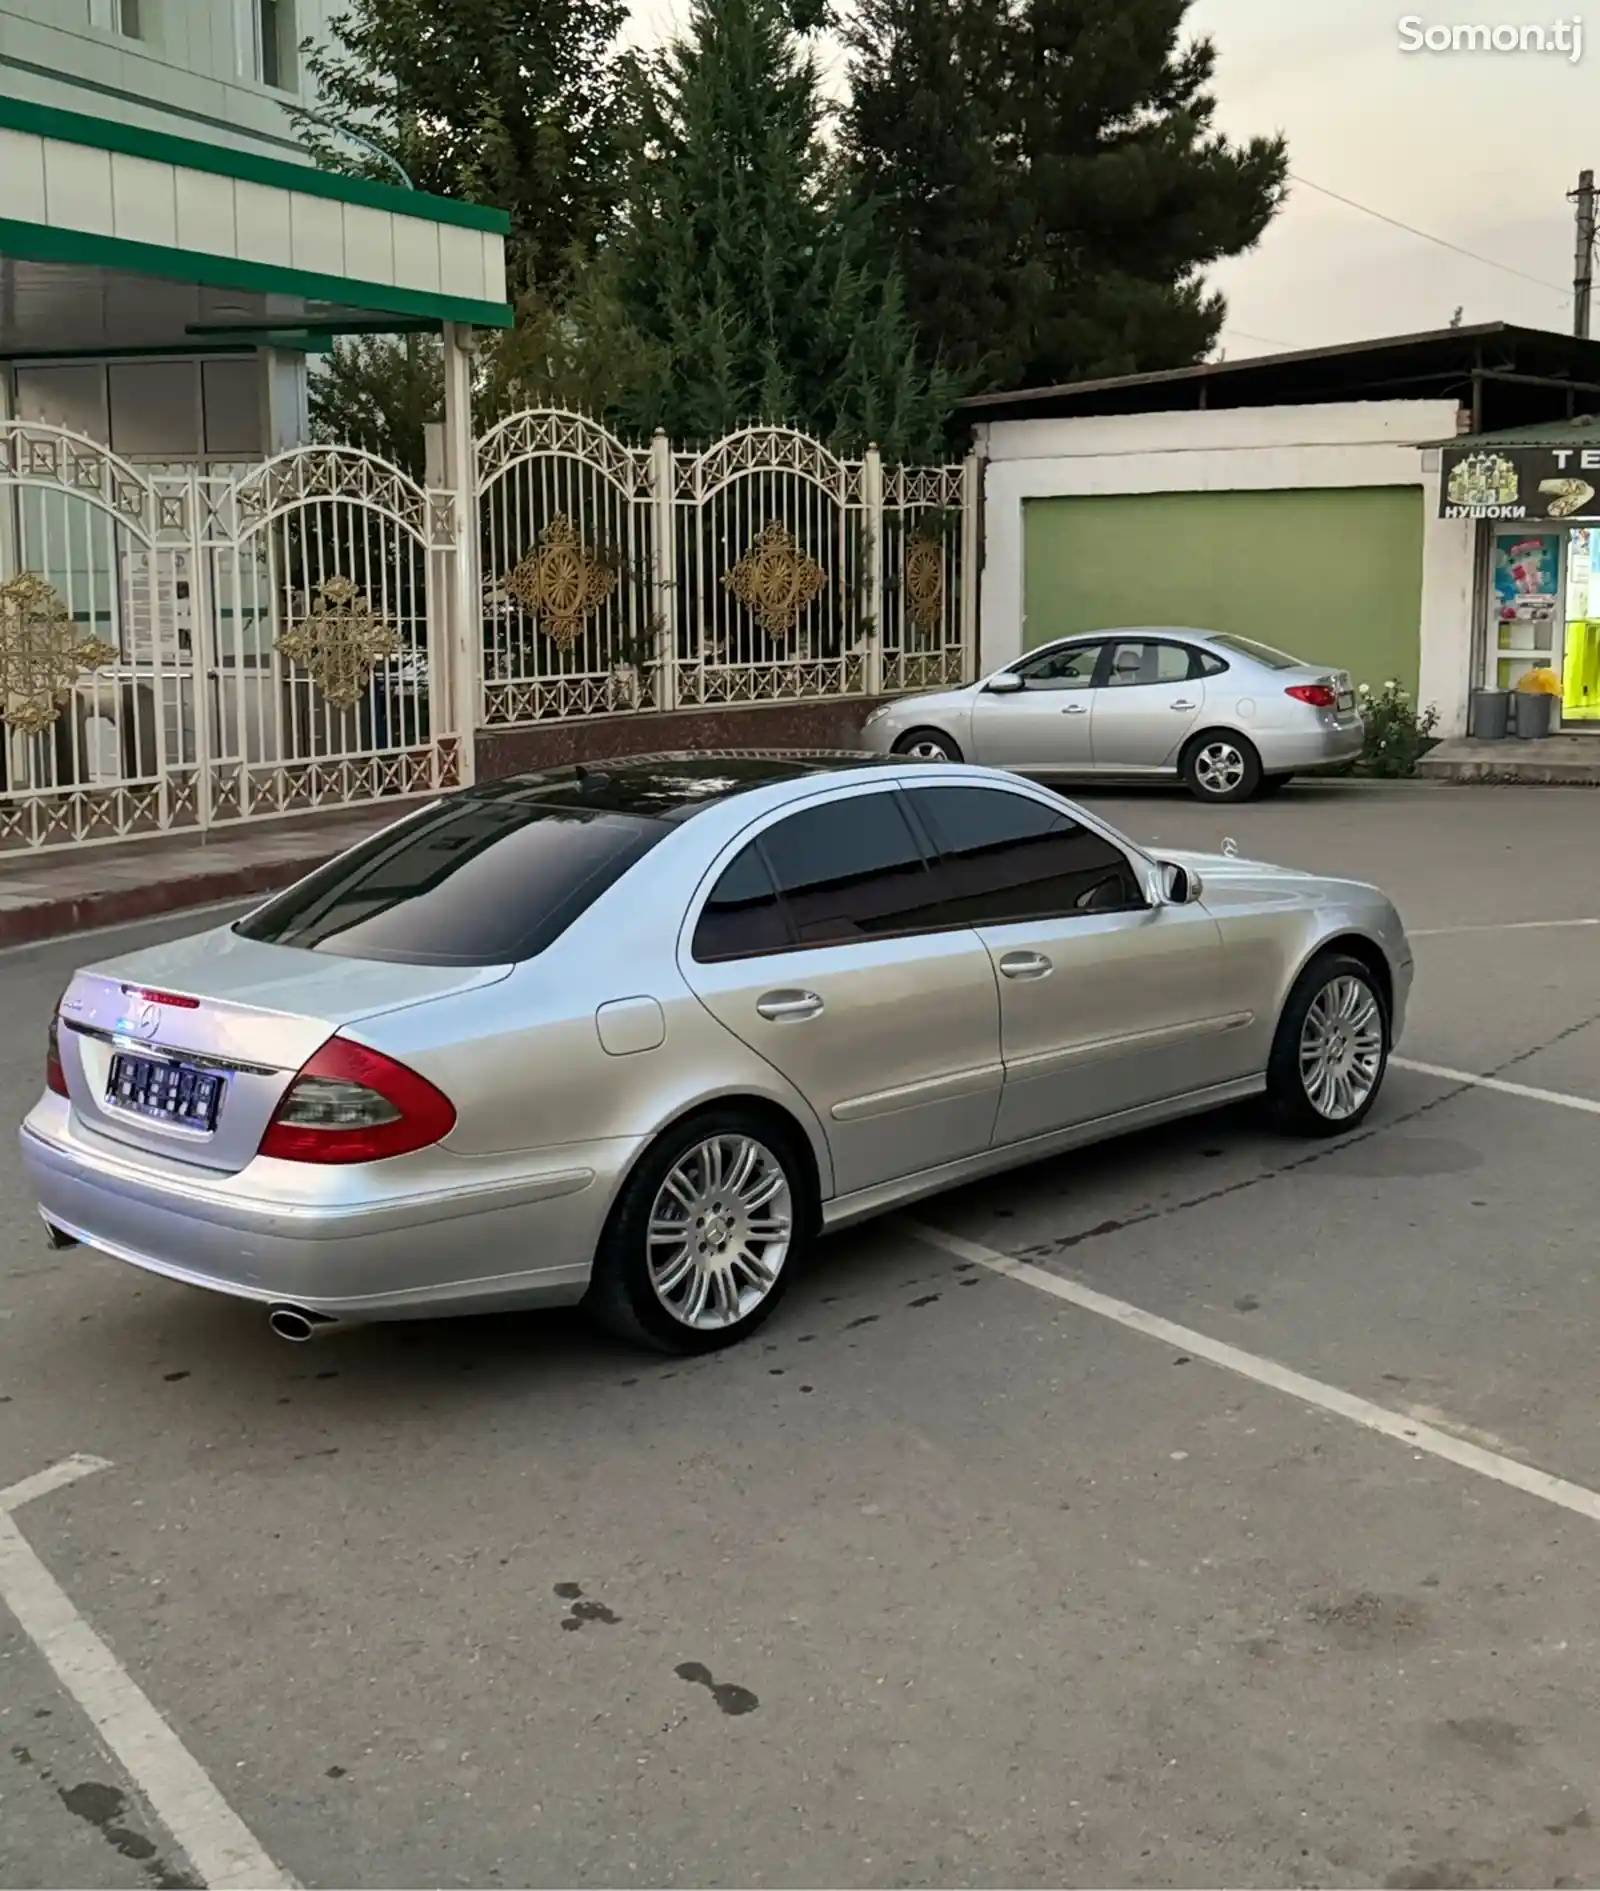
{"x":1332,"y":574}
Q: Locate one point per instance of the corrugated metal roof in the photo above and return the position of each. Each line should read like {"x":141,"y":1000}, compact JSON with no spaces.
{"x":1583,"y":431}
{"x":1435,"y":364}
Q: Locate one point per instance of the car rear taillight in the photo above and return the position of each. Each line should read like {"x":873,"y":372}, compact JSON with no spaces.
{"x":352,"y":1104}
{"x":55,"y":1078}
{"x":1319,"y":695}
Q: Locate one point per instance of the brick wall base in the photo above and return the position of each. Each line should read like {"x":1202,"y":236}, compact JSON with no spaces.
{"x":831,"y":724}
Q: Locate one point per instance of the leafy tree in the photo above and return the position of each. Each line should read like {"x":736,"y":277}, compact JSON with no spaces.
{"x":379,"y":393}
{"x":754,"y":279}
{"x":1052,"y":181}
{"x":519,"y":104}
{"x":514,"y":103}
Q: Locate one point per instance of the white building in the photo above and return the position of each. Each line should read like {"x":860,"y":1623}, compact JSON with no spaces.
{"x":220,"y":70}
{"x":168,"y":255}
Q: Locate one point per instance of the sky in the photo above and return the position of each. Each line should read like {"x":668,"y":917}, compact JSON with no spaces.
{"x":1479,"y":148}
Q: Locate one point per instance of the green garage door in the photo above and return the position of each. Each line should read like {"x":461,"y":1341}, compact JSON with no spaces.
{"x":1333,"y":576}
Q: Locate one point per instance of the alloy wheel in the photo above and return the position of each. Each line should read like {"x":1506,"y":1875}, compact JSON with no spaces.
{"x":1341,"y":1049}
{"x":1219,"y":768}
{"x":720,"y":1231}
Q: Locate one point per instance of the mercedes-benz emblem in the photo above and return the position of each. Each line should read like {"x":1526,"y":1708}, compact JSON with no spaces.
{"x":147,"y":1020}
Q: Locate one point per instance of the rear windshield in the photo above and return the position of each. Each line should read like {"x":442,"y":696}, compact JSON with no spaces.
{"x":1259,"y":652}
{"x":467,"y":882}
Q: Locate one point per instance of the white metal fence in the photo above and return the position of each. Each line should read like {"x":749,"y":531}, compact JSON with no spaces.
{"x":763,"y":569}
{"x":185,"y":649}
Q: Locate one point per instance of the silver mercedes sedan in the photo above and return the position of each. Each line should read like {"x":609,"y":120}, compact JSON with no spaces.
{"x":634,"y":1034}
{"x":1230,"y":718}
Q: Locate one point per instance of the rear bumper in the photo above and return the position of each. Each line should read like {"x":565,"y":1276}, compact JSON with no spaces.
{"x":521,"y":1239}
{"x":1303,"y":751}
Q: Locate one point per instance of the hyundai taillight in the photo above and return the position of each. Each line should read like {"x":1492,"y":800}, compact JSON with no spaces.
{"x":352,"y":1104}
{"x":1319,"y":695}
{"x":55,"y":1078}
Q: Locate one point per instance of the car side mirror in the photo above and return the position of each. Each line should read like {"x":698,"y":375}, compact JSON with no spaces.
{"x":1182,"y":887}
{"x":1007,"y":683}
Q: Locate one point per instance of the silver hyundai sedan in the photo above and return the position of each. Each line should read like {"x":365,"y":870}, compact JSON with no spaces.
{"x":1229,"y":717}
{"x":634,"y":1034}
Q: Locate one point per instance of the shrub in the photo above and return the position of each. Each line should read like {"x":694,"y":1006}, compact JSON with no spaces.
{"x":1398,"y":733}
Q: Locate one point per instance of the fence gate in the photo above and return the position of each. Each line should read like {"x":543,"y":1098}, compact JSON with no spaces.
{"x":181,"y":650}
{"x":570,"y":572}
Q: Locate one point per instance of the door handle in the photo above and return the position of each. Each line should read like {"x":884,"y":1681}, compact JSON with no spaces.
{"x":1181,"y":705}
{"x":1026,"y":965}
{"x":789,"y":1007}
{"x":1076,"y":709}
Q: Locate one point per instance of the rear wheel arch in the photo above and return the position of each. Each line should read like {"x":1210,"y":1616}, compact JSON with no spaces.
{"x":784,"y":1122}
{"x":1215,"y":732}
{"x":926,"y":732}
{"x":620,"y":1295}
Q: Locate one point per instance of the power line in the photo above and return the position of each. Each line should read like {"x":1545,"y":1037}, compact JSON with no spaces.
{"x":1244,"y":334}
{"x":1428,"y":237}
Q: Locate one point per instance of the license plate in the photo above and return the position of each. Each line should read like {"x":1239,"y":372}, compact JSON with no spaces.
{"x":165,"y":1091}
{"x":1347,"y":699}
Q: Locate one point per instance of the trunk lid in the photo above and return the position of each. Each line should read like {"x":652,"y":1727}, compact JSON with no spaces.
{"x":1347,"y":708}
{"x":252,"y":1014}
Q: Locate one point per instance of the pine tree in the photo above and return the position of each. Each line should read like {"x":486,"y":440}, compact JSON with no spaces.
{"x":1054,"y":165}
{"x":927,"y":140}
{"x":744,"y":262}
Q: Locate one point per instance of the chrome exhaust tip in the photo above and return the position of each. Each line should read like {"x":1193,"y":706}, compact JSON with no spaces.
{"x":296,"y":1325}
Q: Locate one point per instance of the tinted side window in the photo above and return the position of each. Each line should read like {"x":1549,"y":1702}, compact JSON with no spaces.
{"x":1071,"y":668}
{"x":744,"y":915}
{"x":470,"y":882}
{"x":1135,"y":663}
{"x":1004,"y":857}
{"x":851,"y":869}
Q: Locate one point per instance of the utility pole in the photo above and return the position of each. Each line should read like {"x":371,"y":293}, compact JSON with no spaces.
{"x":1583,"y":267}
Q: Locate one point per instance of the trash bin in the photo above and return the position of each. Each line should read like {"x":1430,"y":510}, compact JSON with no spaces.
{"x":1489,"y":714}
{"x":1533,"y":715}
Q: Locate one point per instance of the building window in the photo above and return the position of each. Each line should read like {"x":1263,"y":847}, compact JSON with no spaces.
{"x":268,"y":50}
{"x":116,"y":16}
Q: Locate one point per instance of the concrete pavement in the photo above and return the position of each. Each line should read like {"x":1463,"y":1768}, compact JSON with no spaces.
{"x":942,"y":1580}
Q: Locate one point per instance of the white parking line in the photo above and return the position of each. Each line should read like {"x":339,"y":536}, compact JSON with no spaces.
{"x":1267,"y":1372}
{"x":1533,"y":1095}
{"x":1507,"y":925}
{"x":219,"y":1846}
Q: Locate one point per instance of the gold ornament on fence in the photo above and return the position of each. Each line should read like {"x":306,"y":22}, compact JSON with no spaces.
{"x":561,"y":583}
{"x":341,"y":641}
{"x":43,"y":652}
{"x":776,"y":580}
{"x":925,"y":583}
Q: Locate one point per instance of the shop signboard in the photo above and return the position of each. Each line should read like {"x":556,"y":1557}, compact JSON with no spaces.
{"x":1554,"y":483}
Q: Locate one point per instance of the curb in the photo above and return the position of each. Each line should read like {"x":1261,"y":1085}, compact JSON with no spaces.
{"x":38,"y":920}
{"x":1509,"y":775}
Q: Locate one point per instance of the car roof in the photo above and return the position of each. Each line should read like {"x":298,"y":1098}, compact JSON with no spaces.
{"x":1186,"y":631}
{"x":672,"y":786}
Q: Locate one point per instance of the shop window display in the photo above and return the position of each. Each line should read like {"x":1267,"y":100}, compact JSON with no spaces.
{"x":1580,"y":674}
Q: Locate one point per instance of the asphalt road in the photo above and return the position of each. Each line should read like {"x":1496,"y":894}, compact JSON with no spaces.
{"x":943,"y":1580}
